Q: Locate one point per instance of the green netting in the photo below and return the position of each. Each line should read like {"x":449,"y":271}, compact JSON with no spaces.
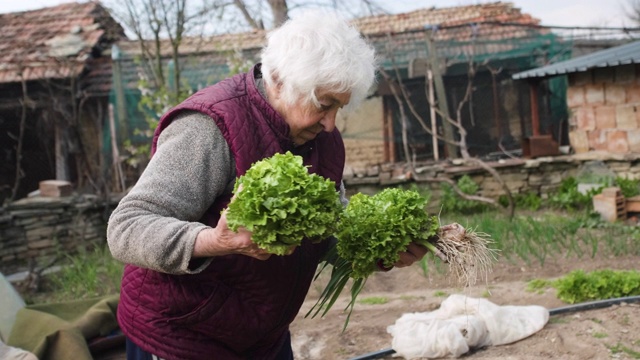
{"x":497,"y":115}
{"x":491,"y":119}
{"x":132,"y":121}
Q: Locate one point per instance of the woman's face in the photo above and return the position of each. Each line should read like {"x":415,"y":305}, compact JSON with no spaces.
{"x":306,"y":121}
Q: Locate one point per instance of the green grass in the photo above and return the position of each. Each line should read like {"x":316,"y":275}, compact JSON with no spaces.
{"x":440,"y":294}
{"x":559,"y":320}
{"x":84,"y":275}
{"x":600,"y":335}
{"x":539,"y":285}
{"x":374,"y":300}
{"x":620,"y":348}
{"x":549,"y":235}
{"x":532,"y":238}
{"x":625,"y":320}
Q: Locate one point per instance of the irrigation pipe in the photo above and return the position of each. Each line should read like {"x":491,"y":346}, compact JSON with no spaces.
{"x":557,"y":311}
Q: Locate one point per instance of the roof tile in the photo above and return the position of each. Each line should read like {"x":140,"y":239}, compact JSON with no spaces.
{"x":52,"y":42}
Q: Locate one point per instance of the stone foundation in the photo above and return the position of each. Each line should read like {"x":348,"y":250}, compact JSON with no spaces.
{"x":43,"y":228}
{"x":541,"y":176}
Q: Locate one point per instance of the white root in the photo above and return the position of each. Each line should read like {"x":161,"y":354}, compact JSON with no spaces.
{"x":467,"y":252}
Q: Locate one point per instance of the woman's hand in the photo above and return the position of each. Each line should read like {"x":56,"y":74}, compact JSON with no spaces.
{"x":221,"y":241}
{"x":413,"y":253}
{"x":416,"y":252}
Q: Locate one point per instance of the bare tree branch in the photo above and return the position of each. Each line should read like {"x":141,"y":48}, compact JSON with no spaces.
{"x":257,"y":25}
{"x":24,"y":102}
{"x":633,"y":10}
{"x":457,"y":122}
{"x":280,"y":11}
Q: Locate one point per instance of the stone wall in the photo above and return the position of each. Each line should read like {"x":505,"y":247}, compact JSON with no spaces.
{"x":41,"y":228}
{"x":605,"y":110}
{"x":541,"y":176}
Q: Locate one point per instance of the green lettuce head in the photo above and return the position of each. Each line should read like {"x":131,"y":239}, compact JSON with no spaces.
{"x":281,"y":203}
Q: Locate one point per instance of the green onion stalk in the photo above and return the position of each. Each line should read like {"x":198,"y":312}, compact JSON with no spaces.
{"x":375,"y":229}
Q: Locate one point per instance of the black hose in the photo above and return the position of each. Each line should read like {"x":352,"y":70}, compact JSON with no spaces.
{"x":593,"y":305}
{"x":557,"y":311}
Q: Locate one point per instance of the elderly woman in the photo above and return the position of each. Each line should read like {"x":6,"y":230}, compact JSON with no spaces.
{"x":192,"y":288}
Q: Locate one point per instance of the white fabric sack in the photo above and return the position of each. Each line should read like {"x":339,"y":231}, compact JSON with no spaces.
{"x":11,"y":353}
{"x":462,"y":323}
{"x":11,"y":303}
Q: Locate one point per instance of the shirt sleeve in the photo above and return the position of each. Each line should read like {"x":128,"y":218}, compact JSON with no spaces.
{"x":155,"y":225}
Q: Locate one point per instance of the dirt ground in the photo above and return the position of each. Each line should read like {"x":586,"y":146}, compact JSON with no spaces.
{"x":609,"y":333}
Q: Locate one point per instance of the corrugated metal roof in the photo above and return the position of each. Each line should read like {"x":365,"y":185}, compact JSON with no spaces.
{"x":615,"y":56}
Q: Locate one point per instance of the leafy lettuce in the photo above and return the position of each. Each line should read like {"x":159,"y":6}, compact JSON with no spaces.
{"x":378,"y":227}
{"x":281,"y":203}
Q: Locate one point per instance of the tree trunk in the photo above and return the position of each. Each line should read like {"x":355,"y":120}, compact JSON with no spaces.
{"x":280,"y":12}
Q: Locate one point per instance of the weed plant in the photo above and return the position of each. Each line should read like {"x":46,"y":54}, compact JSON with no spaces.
{"x":567,"y":225}
{"x":90,"y":273}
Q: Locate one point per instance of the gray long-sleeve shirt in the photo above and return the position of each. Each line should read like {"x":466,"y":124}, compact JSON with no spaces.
{"x":155,"y":224}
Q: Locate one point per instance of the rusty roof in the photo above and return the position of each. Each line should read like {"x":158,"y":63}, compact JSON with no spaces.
{"x":53,"y":42}
{"x":379,"y":25}
{"x":499,"y":12}
{"x":495,"y":21}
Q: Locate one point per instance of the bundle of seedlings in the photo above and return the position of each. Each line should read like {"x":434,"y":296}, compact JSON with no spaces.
{"x":374,"y":229}
{"x":281,"y":203}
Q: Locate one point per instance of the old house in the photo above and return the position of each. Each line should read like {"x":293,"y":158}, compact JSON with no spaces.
{"x":49,"y":119}
{"x":603,"y":98}
{"x":491,"y":41}
{"x":496,"y":38}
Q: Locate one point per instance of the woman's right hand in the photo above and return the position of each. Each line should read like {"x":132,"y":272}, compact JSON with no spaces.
{"x":221,"y":241}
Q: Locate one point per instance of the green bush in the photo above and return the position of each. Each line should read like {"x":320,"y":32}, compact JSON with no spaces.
{"x":530,"y":201}
{"x":451,"y":202}
{"x":567,"y":196}
{"x":628,"y":187}
{"x":578,"y":286}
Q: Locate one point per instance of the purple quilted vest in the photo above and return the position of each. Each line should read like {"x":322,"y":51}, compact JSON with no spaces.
{"x":238,"y":307}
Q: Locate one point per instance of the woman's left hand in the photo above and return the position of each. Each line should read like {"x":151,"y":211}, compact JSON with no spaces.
{"x":413,"y":253}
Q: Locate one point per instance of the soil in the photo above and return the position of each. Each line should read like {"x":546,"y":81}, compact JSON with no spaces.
{"x":608,"y":333}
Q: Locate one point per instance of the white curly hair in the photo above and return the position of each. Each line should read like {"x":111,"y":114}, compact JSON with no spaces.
{"x":318,"y":50}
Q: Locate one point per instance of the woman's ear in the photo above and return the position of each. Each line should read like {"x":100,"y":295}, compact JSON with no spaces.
{"x":275,"y":90}
{"x":276,"y":81}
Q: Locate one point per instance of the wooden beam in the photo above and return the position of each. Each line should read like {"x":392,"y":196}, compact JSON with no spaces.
{"x":441,"y":96}
{"x":535,"y":110}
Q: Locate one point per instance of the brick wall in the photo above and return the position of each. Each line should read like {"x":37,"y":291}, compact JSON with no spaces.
{"x":362,"y":152}
{"x":363,"y":134}
{"x":605,"y":110}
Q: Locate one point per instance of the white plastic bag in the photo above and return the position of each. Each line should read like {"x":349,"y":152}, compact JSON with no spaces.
{"x":11,"y":304}
{"x":462,"y":323}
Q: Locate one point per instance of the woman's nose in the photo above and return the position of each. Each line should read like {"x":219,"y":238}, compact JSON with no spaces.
{"x":328,"y":122}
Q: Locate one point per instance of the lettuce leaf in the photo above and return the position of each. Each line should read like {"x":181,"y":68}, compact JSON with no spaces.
{"x":281,"y":203}
{"x":378,"y":227}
